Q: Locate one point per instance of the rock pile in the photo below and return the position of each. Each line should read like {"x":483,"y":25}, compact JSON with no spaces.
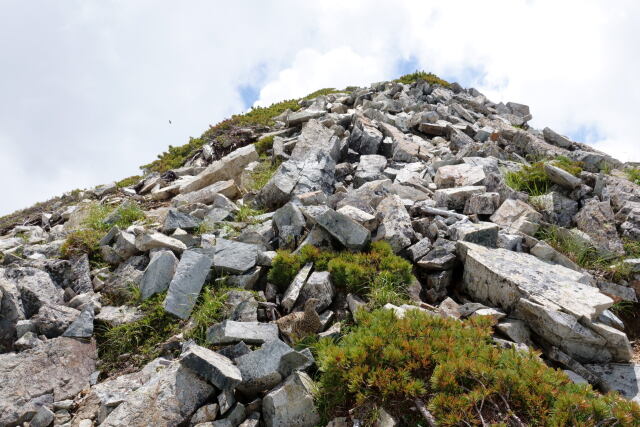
{"x":423,"y":167}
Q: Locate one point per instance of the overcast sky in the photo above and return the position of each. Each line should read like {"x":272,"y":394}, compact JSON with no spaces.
{"x":87,"y":88}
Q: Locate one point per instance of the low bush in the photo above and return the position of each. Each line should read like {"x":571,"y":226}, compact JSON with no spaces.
{"x":139,"y":339}
{"x":378,"y":275}
{"x":264,"y":145}
{"x":451,"y":366}
{"x":82,"y":242}
{"x":634,"y":175}
{"x":422,"y":75}
{"x":128,"y":182}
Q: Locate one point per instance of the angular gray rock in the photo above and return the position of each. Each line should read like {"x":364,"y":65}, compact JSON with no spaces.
{"x":213,"y":367}
{"x":260,"y":369}
{"x":395,"y":223}
{"x":158,"y":274}
{"x":369,"y":169}
{"x":597,"y":220}
{"x":555,"y":138}
{"x":621,"y":377}
{"x":55,"y":370}
{"x":293,"y":291}
{"x":456,"y":198}
{"x":187,"y":282}
{"x":555,"y":208}
{"x":233,"y":257}
{"x":82,"y":327}
{"x":364,"y":138}
{"x":461,"y":175}
{"x":349,"y":233}
{"x":317,"y":286}
{"x":291,"y":404}
{"x":289,"y":222}
{"x":176,"y":219}
{"x":153,"y":240}
{"x":482,"y":233}
{"x":561,"y":177}
{"x":169,"y":398}
{"x":231,"y":332}
{"x":516,"y":215}
{"x":53,"y":319}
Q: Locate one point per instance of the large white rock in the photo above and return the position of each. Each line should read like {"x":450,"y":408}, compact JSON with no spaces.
{"x":556,"y":302}
{"x":459,"y":176}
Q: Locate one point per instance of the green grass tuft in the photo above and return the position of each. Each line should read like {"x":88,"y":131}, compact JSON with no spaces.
{"x":246,"y":213}
{"x":452,"y":366}
{"x":208,"y":311}
{"x":264,"y":145}
{"x":140,"y":339}
{"x":262,"y":173}
{"x":533,"y":179}
{"x":128,"y":182}
{"x":634,"y":175}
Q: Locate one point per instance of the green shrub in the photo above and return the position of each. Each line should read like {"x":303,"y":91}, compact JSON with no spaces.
{"x":634,"y":175}
{"x":140,"y":339}
{"x":422,"y":75}
{"x":323,"y":92}
{"x":378,"y":274}
{"x":246,"y":213}
{"x":264,"y":144}
{"x":128,"y":182}
{"x":452,"y":366}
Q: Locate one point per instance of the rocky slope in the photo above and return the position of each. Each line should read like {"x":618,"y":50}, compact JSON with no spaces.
{"x":166,"y":303}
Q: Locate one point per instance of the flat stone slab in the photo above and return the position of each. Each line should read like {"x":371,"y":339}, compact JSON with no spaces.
{"x":231,"y":332}
{"x":234,"y":257}
{"x":215,"y":368}
{"x":158,"y":273}
{"x":187,"y":282}
{"x":621,"y":377}
{"x":554,"y":300}
{"x":345,"y":230}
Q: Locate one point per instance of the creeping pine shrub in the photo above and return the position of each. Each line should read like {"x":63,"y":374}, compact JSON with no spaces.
{"x":422,"y":75}
{"x":128,"y":182}
{"x":451,"y":366}
{"x":378,"y":274}
{"x":139,"y":339}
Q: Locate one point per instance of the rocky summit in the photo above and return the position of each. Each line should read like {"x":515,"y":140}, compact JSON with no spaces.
{"x":409,"y":253}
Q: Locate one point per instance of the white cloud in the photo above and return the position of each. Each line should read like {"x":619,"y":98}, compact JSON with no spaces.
{"x":88,"y":87}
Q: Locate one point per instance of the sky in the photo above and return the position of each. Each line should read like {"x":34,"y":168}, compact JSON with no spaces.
{"x":88,"y":87}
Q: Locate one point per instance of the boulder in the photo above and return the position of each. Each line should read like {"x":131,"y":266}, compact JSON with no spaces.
{"x":260,"y":369}
{"x":368,"y":221}
{"x":55,"y":370}
{"x":461,"y":175}
{"x":82,"y":326}
{"x":291,"y":404}
{"x":293,"y":291}
{"x":364,"y":138}
{"x":213,"y":367}
{"x":169,"y":397}
{"x":115,"y":316}
{"x":554,"y":300}
{"x":555,"y":208}
{"x":561,"y":177}
{"x":369,"y":169}
{"x":456,"y":198}
{"x":516,"y":215}
{"x":597,"y":220}
{"x":621,"y":377}
{"x":482,"y":204}
{"x":53,"y":319}
{"x":227,"y":168}
{"x":395,"y":223}
{"x":187,"y":282}
{"x":234,"y":257}
{"x":208,"y":194}
{"x":158,"y":274}
{"x":346,"y":231}
{"x":153,"y":240}
{"x":230,"y":332}
{"x":176,"y":219}
{"x":289,"y":222}
{"x":317,"y":286}
{"x":555,"y":138}
{"x":482,"y":233}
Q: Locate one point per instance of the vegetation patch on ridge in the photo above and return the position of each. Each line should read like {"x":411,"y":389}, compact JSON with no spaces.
{"x":422,"y":75}
{"x":533,"y":180}
{"x":455,"y":370}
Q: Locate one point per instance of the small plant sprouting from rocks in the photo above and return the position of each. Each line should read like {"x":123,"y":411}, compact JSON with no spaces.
{"x":533,"y":180}
{"x":128,"y":182}
{"x":455,"y":370}
{"x":208,"y":311}
{"x":246,"y":213}
{"x":634,"y":175}
{"x":264,"y":145}
{"x":378,"y":274}
{"x":263,"y":173}
{"x":139,"y":339}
